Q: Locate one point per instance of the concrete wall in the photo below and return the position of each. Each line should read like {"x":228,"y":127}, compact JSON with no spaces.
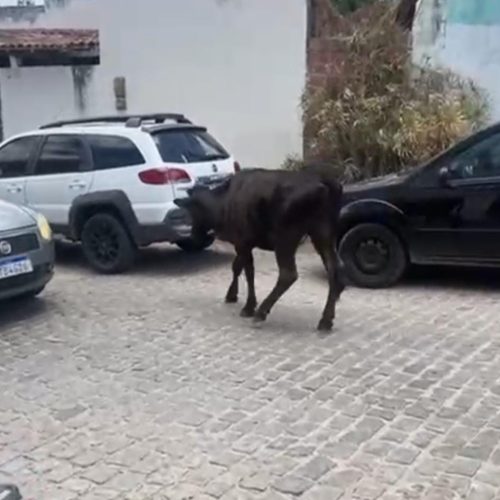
{"x":30,"y":96}
{"x":462,"y":35}
{"x":237,"y":66}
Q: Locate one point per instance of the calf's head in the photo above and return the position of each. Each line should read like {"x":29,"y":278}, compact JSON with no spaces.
{"x":203,"y":206}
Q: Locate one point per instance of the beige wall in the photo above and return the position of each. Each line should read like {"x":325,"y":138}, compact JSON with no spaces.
{"x":237,"y":66}
{"x":463,"y":36}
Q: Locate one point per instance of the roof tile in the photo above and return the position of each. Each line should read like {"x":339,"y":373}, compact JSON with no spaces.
{"x":39,"y":39}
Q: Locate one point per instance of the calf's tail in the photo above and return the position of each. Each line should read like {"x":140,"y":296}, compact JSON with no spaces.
{"x":329,"y":178}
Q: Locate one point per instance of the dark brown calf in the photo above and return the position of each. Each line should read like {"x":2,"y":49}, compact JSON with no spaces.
{"x":273,"y":210}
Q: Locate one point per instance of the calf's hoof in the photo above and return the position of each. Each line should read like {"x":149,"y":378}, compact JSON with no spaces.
{"x":325,"y":326}
{"x":247,"y":312}
{"x":231,"y":299}
{"x":259,"y":317}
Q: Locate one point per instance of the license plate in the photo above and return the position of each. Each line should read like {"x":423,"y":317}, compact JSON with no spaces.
{"x":15,"y":267}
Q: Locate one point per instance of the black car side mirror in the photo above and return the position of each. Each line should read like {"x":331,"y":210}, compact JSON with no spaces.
{"x":444,"y":176}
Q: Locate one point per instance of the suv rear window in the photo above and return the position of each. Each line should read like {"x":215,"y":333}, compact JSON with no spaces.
{"x":109,"y":151}
{"x":188,"y":146}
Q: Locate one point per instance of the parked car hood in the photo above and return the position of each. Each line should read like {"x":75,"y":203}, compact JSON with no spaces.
{"x":14,"y":217}
{"x":375,"y":182}
{"x":377,"y":186}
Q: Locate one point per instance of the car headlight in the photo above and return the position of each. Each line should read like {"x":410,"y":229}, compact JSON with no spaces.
{"x":44,"y":227}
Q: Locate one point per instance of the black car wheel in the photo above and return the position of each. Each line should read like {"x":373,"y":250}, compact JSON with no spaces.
{"x":373,"y":256}
{"x":106,"y":244}
{"x":192,"y":245}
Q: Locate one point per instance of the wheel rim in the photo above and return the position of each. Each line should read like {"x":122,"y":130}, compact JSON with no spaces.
{"x":104,"y":243}
{"x":372,"y":256}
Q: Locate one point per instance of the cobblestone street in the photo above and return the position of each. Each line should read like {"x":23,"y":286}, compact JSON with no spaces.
{"x":147,"y":386}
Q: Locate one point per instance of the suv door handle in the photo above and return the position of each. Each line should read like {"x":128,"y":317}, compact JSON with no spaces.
{"x":77,"y":185}
{"x":14,"y":189}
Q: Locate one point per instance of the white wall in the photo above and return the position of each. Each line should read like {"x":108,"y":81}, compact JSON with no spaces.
{"x":29,"y":96}
{"x":449,"y":34}
{"x":237,"y":66}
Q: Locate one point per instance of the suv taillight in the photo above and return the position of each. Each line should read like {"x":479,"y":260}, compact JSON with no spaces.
{"x":164,"y":175}
{"x":237,"y":167}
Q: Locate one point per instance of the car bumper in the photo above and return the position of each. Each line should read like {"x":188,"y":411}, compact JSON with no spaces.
{"x":175,"y":227}
{"x":43,"y":271}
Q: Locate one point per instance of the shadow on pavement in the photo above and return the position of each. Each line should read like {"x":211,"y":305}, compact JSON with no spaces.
{"x":445,"y":277}
{"x":155,"y":260}
{"x":20,"y":310}
{"x":460,"y":278}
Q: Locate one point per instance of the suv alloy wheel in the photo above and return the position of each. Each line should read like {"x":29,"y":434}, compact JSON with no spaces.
{"x":106,"y":244}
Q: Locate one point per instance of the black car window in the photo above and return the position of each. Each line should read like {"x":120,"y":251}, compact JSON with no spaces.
{"x":14,"y":157}
{"x":61,"y":154}
{"x":113,"y":152}
{"x":188,"y":146}
{"x":482,"y":160}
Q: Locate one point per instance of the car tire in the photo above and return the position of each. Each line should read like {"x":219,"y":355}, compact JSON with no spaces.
{"x":191,"y":245}
{"x":107,"y":245}
{"x":373,"y":256}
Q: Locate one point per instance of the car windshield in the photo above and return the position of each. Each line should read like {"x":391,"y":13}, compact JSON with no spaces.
{"x":189,"y":146}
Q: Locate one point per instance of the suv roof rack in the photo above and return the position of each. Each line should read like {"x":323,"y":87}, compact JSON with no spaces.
{"x":132,"y":121}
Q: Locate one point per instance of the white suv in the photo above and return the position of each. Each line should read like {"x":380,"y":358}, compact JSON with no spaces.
{"x":110,"y":182}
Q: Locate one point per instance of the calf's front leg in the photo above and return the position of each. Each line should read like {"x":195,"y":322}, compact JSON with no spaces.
{"x":287,"y":277}
{"x":232,"y":293}
{"x":249,"y":310}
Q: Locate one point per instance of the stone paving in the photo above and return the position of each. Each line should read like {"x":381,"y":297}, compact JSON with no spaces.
{"x":147,"y":386}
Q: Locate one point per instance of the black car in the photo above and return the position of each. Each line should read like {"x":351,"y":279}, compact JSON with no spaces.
{"x":444,"y":212}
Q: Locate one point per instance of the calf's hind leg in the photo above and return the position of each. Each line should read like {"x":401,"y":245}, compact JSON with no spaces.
{"x":324,"y":244}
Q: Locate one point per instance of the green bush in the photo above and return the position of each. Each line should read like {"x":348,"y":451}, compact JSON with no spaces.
{"x":379,"y":114}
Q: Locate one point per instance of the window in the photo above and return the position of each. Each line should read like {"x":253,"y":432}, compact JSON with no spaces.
{"x":61,"y":154}
{"x":482,"y":160}
{"x":188,"y":146}
{"x":14,"y":157}
{"x":113,"y":152}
